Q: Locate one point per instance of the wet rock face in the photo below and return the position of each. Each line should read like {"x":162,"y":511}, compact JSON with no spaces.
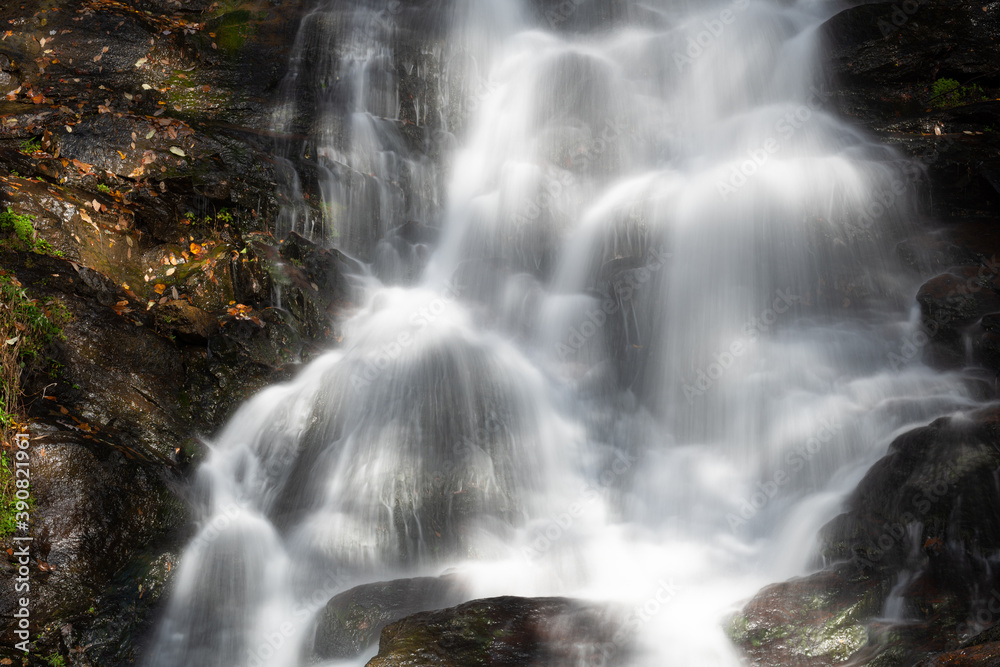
{"x":506,"y":631}
{"x":885,"y":60}
{"x":914,"y":532}
{"x":96,"y":504}
{"x":353,"y":620}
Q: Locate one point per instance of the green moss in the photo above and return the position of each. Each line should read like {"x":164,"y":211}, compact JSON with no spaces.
{"x":24,"y":231}
{"x":947,"y":93}
{"x":232,"y":30}
{"x":40,"y":322}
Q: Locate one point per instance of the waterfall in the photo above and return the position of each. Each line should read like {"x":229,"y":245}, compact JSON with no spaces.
{"x":656,"y":342}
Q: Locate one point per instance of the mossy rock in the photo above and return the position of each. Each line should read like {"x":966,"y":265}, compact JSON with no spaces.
{"x":555,"y":632}
{"x":353,"y":620}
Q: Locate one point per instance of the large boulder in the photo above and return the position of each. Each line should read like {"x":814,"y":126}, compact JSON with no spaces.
{"x":352,"y":620}
{"x":912,"y":558}
{"x":555,"y":632}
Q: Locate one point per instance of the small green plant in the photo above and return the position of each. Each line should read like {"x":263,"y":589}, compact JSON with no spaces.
{"x":8,"y":501}
{"x":27,"y":325}
{"x":14,"y":173}
{"x":101,"y":187}
{"x":18,"y":223}
{"x":224,"y":216}
{"x":946,"y":93}
{"x":24,"y":229}
{"x":190,"y":217}
{"x":56,"y":660}
{"x":30,"y":146}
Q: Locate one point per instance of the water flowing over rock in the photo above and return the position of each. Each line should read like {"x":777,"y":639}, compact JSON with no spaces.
{"x":505,"y":331}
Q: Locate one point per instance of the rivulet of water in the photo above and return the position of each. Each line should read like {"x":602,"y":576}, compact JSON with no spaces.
{"x":654,"y":345}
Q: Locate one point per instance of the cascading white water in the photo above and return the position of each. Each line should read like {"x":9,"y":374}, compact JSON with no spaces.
{"x":653,"y":351}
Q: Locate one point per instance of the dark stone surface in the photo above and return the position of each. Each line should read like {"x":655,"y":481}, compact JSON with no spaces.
{"x":556,"y":632}
{"x":352,"y":621}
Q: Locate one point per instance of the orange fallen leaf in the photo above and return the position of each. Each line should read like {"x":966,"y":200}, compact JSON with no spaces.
{"x":159,"y":287}
{"x":195,"y":249}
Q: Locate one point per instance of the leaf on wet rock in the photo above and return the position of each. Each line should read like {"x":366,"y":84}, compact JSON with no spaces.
{"x":178,"y":151}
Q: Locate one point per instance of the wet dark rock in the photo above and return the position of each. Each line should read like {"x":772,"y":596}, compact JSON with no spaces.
{"x":353,"y":620}
{"x":507,"y":631}
{"x":313,"y":279}
{"x":915,"y":524}
{"x":122,"y":624}
{"x":954,"y":300}
{"x":191,"y":324}
{"x":817,"y":620}
{"x":97,"y":503}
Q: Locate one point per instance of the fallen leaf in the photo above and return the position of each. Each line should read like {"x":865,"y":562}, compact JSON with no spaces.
{"x":96,"y":204}
{"x":171,"y":270}
{"x":159,"y":288}
{"x":149,"y":135}
{"x":12,"y":341}
{"x":139,"y":63}
{"x":86,"y":216}
{"x":177,"y":151}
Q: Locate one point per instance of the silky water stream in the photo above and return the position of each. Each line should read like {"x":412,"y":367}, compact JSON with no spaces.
{"x":657,"y":341}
